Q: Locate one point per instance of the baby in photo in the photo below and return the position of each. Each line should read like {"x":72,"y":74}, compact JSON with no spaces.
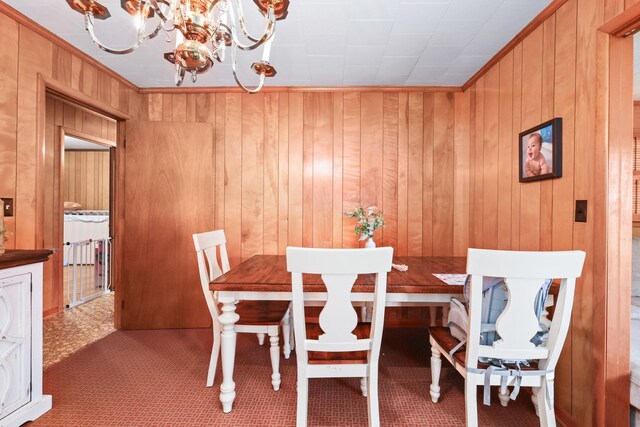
{"x":535,"y":164}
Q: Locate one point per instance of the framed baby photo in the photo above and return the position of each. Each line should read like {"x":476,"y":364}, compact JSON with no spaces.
{"x":541,"y":151}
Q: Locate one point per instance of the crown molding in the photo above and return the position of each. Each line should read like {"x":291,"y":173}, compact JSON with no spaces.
{"x":530,"y":28}
{"x":268,"y":89}
{"x":39,"y":29}
{"x":625,"y":24}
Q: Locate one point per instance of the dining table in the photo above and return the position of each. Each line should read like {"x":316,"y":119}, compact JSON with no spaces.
{"x":265,"y":277}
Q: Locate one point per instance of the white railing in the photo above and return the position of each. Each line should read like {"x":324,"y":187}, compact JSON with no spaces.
{"x":87,"y":270}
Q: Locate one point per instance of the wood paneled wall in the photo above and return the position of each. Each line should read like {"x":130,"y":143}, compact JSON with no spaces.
{"x":287,"y":165}
{"x":86,"y":179}
{"x":32,"y":54}
{"x":561,"y":70}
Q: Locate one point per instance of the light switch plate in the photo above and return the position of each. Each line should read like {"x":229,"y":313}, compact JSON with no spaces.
{"x":581,"y":211}
{"x":8,"y":206}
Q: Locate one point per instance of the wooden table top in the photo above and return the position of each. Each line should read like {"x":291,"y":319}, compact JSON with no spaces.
{"x":268,"y":273}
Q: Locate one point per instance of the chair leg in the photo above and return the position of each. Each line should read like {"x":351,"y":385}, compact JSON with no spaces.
{"x":213,"y":362}
{"x":436,"y":365}
{"x":504,"y":398}
{"x":545,"y":409}
{"x":275,"y":357}
{"x":292,"y":337}
{"x":286,"y":332}
{"x":363,"y":386}
{"x":303,"y":401}
{"x":534,"y":399}
{"x":372,"y":401}
{"x":471,"y":402}
{"x":260,"y":339}
{"x":363,"y":312}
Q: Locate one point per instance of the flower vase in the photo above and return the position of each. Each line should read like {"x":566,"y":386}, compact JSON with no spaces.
{"x":370,"y":243}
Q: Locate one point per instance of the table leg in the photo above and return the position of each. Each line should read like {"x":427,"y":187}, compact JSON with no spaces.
{"x":228,"y":318}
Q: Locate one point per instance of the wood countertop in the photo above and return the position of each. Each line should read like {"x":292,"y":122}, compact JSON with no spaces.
{"x":18,"y":257}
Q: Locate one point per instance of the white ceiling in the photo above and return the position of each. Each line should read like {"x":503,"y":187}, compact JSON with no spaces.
{"x":324,"y":43}
{"x":72,"y":143}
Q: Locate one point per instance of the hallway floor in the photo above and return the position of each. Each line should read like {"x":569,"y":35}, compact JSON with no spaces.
{"x":74,"y":329}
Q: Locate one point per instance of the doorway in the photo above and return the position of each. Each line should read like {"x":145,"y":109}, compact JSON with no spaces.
{"x":86,"y":260}
{"x":78,"y":222}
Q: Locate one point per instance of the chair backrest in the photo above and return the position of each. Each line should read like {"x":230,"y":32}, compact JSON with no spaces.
{"x":339,"y":269}
{"x":208,"y":246}
{"x":524,"y":274}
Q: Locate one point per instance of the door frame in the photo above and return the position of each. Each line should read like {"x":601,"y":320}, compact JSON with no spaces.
{"x":614,"y":127}
{"x":47,"y":85}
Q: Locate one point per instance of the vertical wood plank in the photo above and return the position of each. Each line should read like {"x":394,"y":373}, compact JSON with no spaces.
{"x":270,"y":184}
{"x":515,"y":155}
{"x":9,"y":31}
{"x":546,"y":187}
{"x":461,"y":171}
{"x":219,"y":102}
{"x":233,"y":176}
{"x":415,"y":178}
{"x":179,"y":106}
{"x":283,"y":173}
{"x":252,"y":175}
{"x":429,"y":176}
{"x":478,"y":160}
{"x":390,"y":173}
{"x":338,"y":128}
{"x":296,"y":106}
{"x":322,"y":170}
{"x":351,"y":164}
{"x":443,"y":174}
{"x":307,"y":169}
{"x":490,"y":175}
{"x":589,"y":15}
{"x":532,"y":51}
{"x":27,"y":222}
{"x":155,"y":107}
{"x":167,"y":107}
{"x":506,"y":145}
{"x":403,"y":176}
{"x":371,"y":149}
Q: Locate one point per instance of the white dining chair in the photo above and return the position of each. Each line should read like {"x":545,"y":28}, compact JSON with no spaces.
{"x":524,"y":274}
{"x":259,"y":317}
{"x":337,"y":345}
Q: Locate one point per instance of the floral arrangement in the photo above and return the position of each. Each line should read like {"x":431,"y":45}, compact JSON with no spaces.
{"x":369,"y":220}
{"x":3,"y":237}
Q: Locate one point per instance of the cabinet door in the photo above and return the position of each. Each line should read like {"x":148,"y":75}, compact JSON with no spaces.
{"x":15,"y":342}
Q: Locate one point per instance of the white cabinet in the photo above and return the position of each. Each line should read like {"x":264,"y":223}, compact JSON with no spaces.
{"x":21,"y":397}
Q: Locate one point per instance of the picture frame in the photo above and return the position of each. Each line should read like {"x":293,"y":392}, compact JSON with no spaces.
{"x":541,"y":151}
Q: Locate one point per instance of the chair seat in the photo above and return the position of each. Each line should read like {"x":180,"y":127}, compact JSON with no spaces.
{"x":447,"y":342}
{"x":261,"y":312}
{"x":362,"y":331}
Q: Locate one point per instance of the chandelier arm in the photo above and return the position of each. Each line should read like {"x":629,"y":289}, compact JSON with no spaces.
{"x":89,"y":27}
{"x":156,"y":8}
{"x":268,"y":32}
{"x":155,"y":32}
{"x":245,"y":88}
{"x":242,"y":22}
{"x":265,"y":57}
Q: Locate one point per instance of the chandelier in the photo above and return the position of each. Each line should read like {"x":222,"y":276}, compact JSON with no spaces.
{"x":205,"y":30}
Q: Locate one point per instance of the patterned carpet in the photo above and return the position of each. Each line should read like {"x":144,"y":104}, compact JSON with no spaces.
{"x":71,"y":330}
{"x":141,"y":378}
